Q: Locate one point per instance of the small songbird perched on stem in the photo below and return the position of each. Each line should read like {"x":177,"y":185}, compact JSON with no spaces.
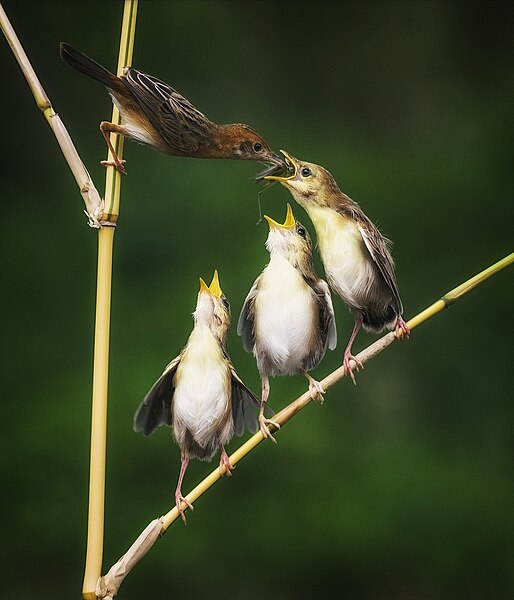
{"x":154,"y":113}
{"x":199,"y":394}
{"x":287,"y":320}
{"x":355,"y":255}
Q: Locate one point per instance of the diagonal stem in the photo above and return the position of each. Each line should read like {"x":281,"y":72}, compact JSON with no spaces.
{"x":94,"y":204}
{"x":109,"y":584}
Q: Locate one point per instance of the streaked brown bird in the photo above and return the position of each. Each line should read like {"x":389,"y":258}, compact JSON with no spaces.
{"x":287,"y":320}
{"x":199,"y":394}
{"x":154,"y":113}
{"x":356,"y":257}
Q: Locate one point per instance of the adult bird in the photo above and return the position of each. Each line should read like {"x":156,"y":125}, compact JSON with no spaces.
{"x":153,"y":113}
{"x":356,"y":257}
{"x":199,"y":394}
{"x":287,"y":320}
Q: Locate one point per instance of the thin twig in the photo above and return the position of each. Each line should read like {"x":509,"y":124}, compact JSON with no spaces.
{"x":94,"y":204}
{"x":109,"y":584}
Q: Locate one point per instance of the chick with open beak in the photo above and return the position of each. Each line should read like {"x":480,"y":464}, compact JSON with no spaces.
{"x":287,"y":320}
{"x":199,"y":394}
{"x":356,"y":257}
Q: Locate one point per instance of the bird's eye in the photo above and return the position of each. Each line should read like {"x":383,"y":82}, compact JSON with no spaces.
{"x":306,"y":172}
{"x":226,"y":303}
{"x":257,"y":146}
{"x":301,"y":232}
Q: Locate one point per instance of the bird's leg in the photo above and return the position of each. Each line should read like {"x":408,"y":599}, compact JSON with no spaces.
{"x":348,"y":356}
{"x":179,"y":498}
{"x":107,"y":128}
{"x":263,"y":422}
{"x":225,"y":466}
{"x":401,"y":330}
{"x":315,"y":388}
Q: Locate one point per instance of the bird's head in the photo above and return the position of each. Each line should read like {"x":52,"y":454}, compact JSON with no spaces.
{"x":309,"y":184}
{"x":213,"y":308}
{"x":290,"y":239}
{"x":247,"y":144}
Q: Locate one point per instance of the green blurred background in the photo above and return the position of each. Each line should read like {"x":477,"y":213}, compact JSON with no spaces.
{"x":398,"y":488}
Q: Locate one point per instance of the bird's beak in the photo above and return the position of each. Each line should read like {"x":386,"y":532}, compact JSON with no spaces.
{"x":291,"y":163}
{"x":214,"y":288}
{"x":203,"y":286}
{"x":289,"y":223}
{"x":279,"y":166}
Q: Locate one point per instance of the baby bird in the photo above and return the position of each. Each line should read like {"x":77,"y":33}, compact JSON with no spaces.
{"x":287,"y":320}
{"x":355,"y":255}
{"x":154,"y":113}
{"x":199,"y":394}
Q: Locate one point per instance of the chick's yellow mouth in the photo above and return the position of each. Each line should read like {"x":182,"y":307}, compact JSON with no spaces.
{"x":292,"y":165}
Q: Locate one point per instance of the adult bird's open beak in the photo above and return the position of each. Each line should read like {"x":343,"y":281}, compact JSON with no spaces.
{"x":279,"y":166}
{"x":289,"y":223}
{"x":291,"y":165}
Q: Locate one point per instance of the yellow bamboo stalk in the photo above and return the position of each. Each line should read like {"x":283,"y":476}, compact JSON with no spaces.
{"x":94,"y":204}
{"x":95,"y":533}
{"x":108,"y":585}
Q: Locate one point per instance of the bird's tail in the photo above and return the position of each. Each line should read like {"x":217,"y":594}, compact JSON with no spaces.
{"x":86,"y":65}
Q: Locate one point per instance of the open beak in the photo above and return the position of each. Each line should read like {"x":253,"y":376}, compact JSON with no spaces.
{"x":291,"y":164}
{"x":279,"y":166}
{"x":214,"y":288}
{"x":289,"y":223}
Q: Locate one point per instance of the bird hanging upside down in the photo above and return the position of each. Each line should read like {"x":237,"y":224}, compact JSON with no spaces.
{"x":356,"y":257}
{"x":154,"y":113}
{"x":287,"y":320}
{"x":200,"y":395}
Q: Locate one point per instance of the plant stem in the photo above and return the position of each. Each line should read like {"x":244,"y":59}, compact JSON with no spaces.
{"x":110,"y":583}
{"x":95,"y":534}
{"x":94,"y":204}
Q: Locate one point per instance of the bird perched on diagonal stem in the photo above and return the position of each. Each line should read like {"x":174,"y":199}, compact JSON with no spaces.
{"x":154,"y":113}
{"x":356,"y":257}
{"x":199,"y":394}
{"x":287,"y":320}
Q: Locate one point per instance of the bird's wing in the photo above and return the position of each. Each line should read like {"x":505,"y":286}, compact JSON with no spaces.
{"x":155,"y":409}
{"x":327,"y":316}
{"x":244,"y":402}
{"x":181,"y":125}
{"x":246,"y":322}
{"x":378,"y":247}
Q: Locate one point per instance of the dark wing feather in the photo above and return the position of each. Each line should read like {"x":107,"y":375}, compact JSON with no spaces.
{"x":327,"y":316}
{"x":180,"y":124}
{"x":246,"y":322}
{"x":244,"y":402}
{"x":155,"y":409}
{"x":377,"y":246}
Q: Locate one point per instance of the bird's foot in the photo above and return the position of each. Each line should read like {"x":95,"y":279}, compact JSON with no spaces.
{"x":179,"y":499}
{"x":315,"y":389}
{"x":263,"y":423}
{"x":116,"y":163}
{"x":401,"y":330}
{"x":225,"y":466}
{"x":349,"y":368}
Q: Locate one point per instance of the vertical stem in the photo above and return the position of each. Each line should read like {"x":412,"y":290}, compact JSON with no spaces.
{"x":95,"y":532}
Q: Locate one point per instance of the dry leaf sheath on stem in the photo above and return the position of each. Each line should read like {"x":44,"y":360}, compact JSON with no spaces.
{"x":109,"y":584}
